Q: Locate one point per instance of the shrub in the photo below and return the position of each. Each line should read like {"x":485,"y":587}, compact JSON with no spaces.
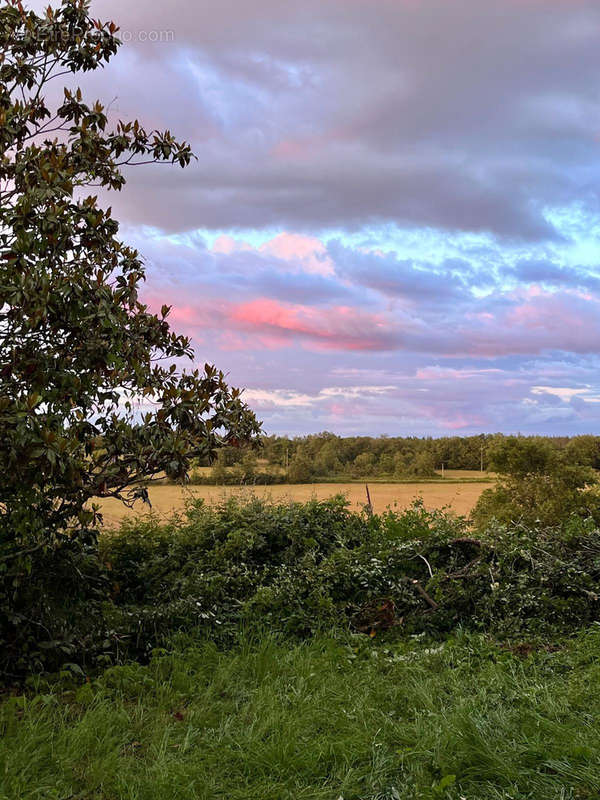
{"x":299,"y":569}
{"x":537,"y":486}
{"x":54,"y":611}
{"x":200,"y":570}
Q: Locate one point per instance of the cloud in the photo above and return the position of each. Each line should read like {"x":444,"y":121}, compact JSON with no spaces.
{"x":281,"y":398}
{"x":464,"y":116}
{"x":567,"y":393}
{"x":293,"y":252}
{"x":274,"y":295}
{"x":308,"y":251}
{"x":553,"y":274}
{"x":393,"y":222}
{"x":336,"y":328}
{"x":395,"y":277}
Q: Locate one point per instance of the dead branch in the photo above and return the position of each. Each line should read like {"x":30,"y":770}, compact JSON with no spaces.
{"x":429,"y":600}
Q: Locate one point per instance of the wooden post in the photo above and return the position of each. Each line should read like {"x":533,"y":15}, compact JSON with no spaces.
{"x":369,"y":504}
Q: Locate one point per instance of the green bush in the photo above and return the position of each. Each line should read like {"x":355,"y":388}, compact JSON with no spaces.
{"x":303,"y":568}
{"x":298,"y":570}
{"x":538,"y":486}
{"x":206,"y":568}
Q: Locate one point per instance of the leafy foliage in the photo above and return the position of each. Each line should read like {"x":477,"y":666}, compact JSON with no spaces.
{"x":80,"y":353}
{"x":300,"y":569}
{"x":204,"y":570}
{"x":323,"y":456}
{"x":538,"y":485}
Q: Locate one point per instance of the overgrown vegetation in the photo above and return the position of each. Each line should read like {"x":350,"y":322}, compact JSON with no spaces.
{"x":303,"y":569}
{"x":322,"y":720}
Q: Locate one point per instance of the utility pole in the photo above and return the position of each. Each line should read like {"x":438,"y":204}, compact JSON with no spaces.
{"x":481,"y":458}
{"x":442,"y":469}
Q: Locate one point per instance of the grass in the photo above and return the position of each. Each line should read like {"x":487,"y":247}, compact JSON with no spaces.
{"x":320,"y":721}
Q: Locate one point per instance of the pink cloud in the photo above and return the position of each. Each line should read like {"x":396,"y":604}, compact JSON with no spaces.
{"x":567,"y":319}
{"x":532,"y":322}
{"x":183,"y":315}
{"x":306,"y":253}
{"x":303,"y":148}
{"x":461,"y":421}
{"x":227,"y":245}
{"x":308,"y":250}
{"x":338,"y":327}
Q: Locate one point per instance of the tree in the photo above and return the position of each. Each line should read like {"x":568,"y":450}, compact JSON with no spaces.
{"x":386,"y":464}
{"x":537,"y":485}
{"x":423,"y":466}
{"x":326,"y":460}
{"x":219,"y":472}
{"x":519,"y":455}
{"x":300,"y":470}
{"x":92,"y":403}
{"x":362,"y":465}
{"x":245,"y":471}
{"x":401,"y":464}
{"x":584,"y":450}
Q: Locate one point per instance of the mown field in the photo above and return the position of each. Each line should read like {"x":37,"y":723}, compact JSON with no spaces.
{"x":460,"y":497}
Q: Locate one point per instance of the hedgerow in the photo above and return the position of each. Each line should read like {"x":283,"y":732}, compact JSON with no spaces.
{"x":303,"y":568}
{"x":298,"y":570}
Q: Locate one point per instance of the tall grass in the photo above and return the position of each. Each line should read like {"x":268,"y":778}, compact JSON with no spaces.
{"x":321,"y":720}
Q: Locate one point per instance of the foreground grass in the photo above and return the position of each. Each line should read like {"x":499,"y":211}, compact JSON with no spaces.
{"x":327,"y":720}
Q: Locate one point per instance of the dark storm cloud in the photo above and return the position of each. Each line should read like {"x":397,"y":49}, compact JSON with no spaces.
{"x":464,"y":115}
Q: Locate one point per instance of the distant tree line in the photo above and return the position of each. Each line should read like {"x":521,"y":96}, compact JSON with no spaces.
{"x":324,"y":455}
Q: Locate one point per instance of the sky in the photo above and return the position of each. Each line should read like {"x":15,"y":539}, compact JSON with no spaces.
{"x":393,"y":223}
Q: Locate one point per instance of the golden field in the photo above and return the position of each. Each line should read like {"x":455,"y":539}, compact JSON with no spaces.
{"x":461,"y":497}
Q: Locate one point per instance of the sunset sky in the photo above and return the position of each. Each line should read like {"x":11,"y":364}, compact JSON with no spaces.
{"x":393,"y":223}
